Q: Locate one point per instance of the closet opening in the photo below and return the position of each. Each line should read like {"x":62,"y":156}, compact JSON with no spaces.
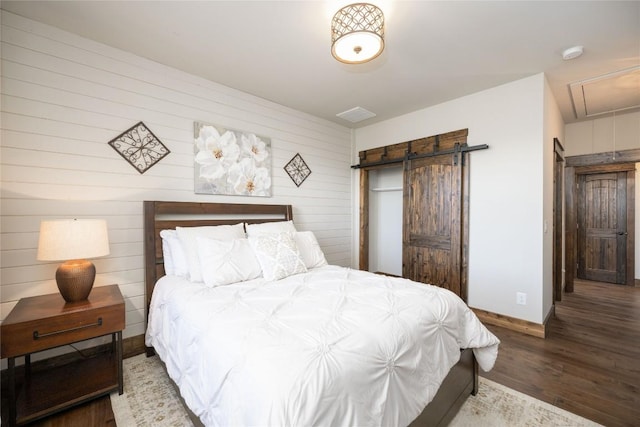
{"x":385,"y":220}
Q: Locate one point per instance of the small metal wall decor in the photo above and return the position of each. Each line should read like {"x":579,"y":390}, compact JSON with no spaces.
{"x":140,"y":147}
{"x":231,"y":162}
{"x":297,"y":169}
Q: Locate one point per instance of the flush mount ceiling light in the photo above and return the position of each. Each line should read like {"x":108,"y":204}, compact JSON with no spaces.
{"x":357,"y":33}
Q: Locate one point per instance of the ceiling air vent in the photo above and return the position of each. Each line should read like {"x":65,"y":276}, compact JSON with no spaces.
{"x":356,"y":114}
{"x":611,"y":92}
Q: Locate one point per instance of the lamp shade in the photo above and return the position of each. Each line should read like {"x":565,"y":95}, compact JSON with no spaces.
{"x":68,"y":239}
{"x":357,"y":33}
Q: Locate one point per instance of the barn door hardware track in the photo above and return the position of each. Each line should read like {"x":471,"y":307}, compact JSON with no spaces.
{"x":456,"y":150}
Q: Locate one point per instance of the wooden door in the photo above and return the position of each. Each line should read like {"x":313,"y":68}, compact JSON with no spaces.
{"x":432,"y":222}
{"x":602,"y":227}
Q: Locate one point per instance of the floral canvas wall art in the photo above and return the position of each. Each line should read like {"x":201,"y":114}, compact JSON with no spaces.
{"x":231,"y":162}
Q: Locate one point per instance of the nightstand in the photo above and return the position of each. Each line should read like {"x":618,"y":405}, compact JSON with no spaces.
{"x":45,"y":322}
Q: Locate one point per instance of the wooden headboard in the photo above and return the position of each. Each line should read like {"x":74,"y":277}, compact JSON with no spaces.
{"x":160,"y":215}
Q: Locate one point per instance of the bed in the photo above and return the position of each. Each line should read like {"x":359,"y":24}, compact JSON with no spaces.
{"x":226,"y":359}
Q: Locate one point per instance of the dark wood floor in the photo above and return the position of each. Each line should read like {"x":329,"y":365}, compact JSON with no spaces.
{"x":589,"y":364}
{"x":97,"y":413}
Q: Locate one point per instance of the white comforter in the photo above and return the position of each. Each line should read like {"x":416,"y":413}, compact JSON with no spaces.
{"x":333,"y":346}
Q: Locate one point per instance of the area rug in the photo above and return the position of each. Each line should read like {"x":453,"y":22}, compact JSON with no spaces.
{"x":149,"y":399}
{"x":498,"y":406}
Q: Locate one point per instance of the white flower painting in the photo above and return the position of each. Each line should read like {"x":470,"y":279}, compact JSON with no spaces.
{"x":231,"y":162}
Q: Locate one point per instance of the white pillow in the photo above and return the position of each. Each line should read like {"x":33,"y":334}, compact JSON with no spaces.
{"x":175,"y":260}
{"x":180,"y":264}
{"x":270,"y":227}
{"x":309,"y":249}
{"x":278,"y":255}
{"x":187,"y":237}
{"x":226,"y":261}
{"x":166,"y":251}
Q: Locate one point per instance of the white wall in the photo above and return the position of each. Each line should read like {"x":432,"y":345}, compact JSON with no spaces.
{"x":606,"y":134}
{"x":64,"y":97}
{"x":508,"y":191}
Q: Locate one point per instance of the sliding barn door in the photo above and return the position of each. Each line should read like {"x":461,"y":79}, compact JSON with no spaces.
{"x":432,"y":249}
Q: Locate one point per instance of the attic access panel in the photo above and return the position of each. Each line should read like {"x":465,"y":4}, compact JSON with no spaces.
{"x":611,"y":92}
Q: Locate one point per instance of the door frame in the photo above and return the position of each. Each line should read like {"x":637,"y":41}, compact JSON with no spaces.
{"x":594,"y":163}
{"x":558,"y":168}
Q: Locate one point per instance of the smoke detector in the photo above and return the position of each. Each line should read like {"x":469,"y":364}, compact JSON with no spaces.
{"x":572,"y":52}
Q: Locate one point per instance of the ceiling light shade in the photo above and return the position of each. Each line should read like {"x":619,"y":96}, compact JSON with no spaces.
{"x":357,"y":33}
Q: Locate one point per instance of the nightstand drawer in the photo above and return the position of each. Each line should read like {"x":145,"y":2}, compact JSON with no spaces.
{"x":44,"y":322}
{"x":44,"y":334}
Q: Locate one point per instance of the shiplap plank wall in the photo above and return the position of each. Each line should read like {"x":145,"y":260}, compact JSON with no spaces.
{"x":64,"y":97}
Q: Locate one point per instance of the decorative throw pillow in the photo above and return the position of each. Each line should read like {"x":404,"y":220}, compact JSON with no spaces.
{"x":187,"y":237}
{"x":270,"y":227}
{"x":309,"y":249}
{"x":278,"y":255}
{"x":226,"y":261}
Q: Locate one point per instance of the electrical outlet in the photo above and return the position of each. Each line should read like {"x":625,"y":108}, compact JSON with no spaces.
{"x":521,"y":298}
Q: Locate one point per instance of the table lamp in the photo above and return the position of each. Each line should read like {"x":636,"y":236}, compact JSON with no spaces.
{"x":72,"y":241}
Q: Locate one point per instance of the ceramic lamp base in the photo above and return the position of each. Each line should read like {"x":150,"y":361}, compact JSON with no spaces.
{"x":75,"y":279}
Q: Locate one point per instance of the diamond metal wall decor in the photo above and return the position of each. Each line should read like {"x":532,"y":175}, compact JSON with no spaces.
{"x":140,"y":147}
{"x":297,"y":169}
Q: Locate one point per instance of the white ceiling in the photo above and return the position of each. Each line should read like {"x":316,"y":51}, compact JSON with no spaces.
{"x":435,"y":51}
